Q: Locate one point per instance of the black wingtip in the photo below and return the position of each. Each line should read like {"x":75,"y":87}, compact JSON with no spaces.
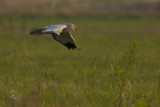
{"x":70,"y":45}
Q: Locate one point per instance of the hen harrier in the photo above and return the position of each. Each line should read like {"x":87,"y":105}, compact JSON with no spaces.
{"x":60,"y":32}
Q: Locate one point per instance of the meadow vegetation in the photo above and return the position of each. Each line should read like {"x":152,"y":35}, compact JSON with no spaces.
{"x":119,"y":65}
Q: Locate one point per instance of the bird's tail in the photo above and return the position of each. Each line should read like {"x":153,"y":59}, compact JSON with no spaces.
{"x":36,"y":31}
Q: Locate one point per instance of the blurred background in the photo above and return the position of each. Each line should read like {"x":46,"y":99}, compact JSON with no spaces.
{"x":79,"y":6}
{"x":119,"y":65}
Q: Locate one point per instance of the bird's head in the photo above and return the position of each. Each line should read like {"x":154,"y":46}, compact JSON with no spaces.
{"x":71,"y":27}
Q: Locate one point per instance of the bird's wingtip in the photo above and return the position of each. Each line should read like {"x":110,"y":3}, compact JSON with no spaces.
{"x":79,"y":49}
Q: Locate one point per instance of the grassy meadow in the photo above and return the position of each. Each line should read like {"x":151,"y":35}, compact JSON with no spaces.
{"x":118,"y":66}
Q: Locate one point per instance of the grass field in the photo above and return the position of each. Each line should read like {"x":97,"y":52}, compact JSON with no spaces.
{"x":112,"y":70}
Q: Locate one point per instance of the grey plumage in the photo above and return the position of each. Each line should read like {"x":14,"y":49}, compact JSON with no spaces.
{"x":60,"y":32}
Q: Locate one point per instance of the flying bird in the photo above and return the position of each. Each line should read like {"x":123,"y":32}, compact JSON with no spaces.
{"x":60,"y":33}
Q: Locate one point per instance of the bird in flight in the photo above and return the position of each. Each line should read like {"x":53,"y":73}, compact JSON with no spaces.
{"x":60,"y":32}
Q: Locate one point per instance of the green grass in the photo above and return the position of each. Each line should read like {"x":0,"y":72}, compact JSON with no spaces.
{"x":39,"y":72}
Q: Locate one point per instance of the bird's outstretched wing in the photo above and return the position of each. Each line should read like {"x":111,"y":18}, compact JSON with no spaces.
{"x":66,"y":39}
{"x":60,"y":33}
{"x":57,"y":29}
